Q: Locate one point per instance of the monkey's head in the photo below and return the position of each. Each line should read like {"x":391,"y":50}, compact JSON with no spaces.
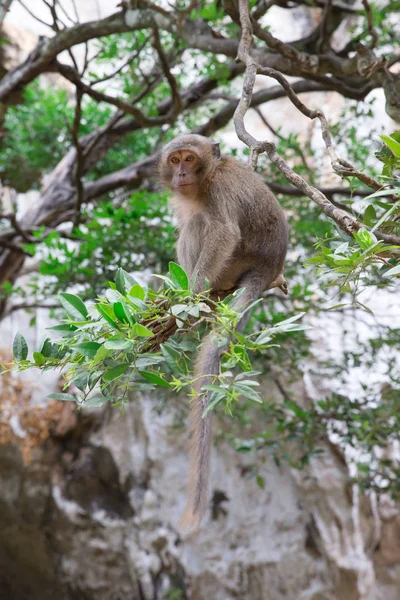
{"x":187,"y":162}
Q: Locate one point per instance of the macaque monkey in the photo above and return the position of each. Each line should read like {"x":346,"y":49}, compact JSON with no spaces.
{"x":233,"y":233}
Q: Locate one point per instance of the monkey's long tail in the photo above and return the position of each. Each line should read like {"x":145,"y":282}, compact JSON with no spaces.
{"x":207,"y":367}
{"x":200,"y":444}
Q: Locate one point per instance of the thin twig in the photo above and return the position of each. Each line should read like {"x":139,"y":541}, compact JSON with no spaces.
{"x":176,"y":98}
{"x":72,"y":75}
{"x":281,"y":137}
{"x":75,"y":11}
{"x":27,"y":306}
{"x":53,"y":12}
{"x":79,"y":168}
{"x":18,"y":229}
{"x":124,"y":64}
{"x":323,"y":26}
{"x":371,"y":29}
{"x":34,"y":16}
{"x":14,"y":247}
{"x":66,"y":14}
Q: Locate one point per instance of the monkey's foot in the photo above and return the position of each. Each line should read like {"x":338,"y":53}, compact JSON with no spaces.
{"x":280,"y":282}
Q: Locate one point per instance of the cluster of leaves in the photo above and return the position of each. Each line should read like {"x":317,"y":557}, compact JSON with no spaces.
{"x":138,"y":235}
{"x":295,"y":434}
{"x":31,"y":146}
{"x":351,"y":264}
{"x":126,"y":341}
{"x":389,"y":154}
{"x":345,"y":265}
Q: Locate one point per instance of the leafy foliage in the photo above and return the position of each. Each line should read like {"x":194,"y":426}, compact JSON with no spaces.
{"x":138,"y":235}
{"x":124,"y":342}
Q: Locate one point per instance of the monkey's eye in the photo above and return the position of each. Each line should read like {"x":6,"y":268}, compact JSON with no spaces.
{"x":175,"y":160}
{"x":190,"y":158}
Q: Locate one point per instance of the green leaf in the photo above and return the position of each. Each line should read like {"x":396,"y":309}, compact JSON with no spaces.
{"x":81,"y":380}
{"x":147,"y":361}
{"x":392,"y":144}
{"x":154,"y":378}
{"x":39,"y":358}
{"x":46,"y":347}
{"x":248,"y":392}
{"x":385,"y":216}
{"x":178,"y":277}
{"x":87,"y":348}
{"x":387,"y":171}
{"x":95,"y":401}
{"x":364,"y":238}
{"x":107,"y":313}
{"x":168,"y":282}
{"x":215,"y":399}
{"x":116,"y":372}
{"x":101,"y":354}
{"x":369,"y":215}
{"x":141,"y":330}
{"x":62,"y":397}
{"x":65,"y":328}
{"x":263,"y":338}
{"x":124,"y":281}
{"x":386,"y":192}
{"x":392,"y":272}
{"x":170,"y":352}
{"x":113,"y":296}
{"x":73,"y":305}
{"x":94,"y":377}
{"x":296,"y":409}
{"x":20,"y":348}
{"x":137,"y":291}
{"x":260,"y":481}
{"x":120,"y":282}
{"x":118,"y":344}
{"x":136,"y":304}
{"x":247,"y":374}
{"x":248,"y":381}
{"x":122,"y":312}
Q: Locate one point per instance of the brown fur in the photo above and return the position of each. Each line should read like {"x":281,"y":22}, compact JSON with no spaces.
{"x":233,"y":233}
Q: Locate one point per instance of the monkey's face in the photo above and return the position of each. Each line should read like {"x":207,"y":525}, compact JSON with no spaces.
{"x":185,"y":166}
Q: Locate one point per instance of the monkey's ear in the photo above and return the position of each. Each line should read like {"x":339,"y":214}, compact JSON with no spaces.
{"x":216,"y":152}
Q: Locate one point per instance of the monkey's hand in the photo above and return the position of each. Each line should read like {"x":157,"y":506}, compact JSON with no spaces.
{"x":280,"y":282}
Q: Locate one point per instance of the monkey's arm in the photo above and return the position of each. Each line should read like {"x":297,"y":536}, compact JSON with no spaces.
{"x":219,"y":243}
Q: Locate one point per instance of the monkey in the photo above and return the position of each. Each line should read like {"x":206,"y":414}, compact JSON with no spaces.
{"x":233,"y":233}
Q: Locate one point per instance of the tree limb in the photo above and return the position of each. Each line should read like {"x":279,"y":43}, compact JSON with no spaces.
{"x":346,"y":222}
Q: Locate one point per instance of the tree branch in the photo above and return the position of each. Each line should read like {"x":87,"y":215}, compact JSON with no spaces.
{"x":346,"y":222}
{"x":47,"y":49}
{"x":80,"y":161}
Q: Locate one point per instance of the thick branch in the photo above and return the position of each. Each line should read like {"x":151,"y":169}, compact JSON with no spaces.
{"x":47,"y":49}
{"x":283,"y":57}
{"x":329,"y":192}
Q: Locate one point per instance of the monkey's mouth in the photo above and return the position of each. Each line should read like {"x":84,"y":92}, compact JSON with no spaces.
{"x":185,"y":184}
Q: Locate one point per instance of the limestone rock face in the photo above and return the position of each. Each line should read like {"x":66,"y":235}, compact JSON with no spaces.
{"x":91,"y":515}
